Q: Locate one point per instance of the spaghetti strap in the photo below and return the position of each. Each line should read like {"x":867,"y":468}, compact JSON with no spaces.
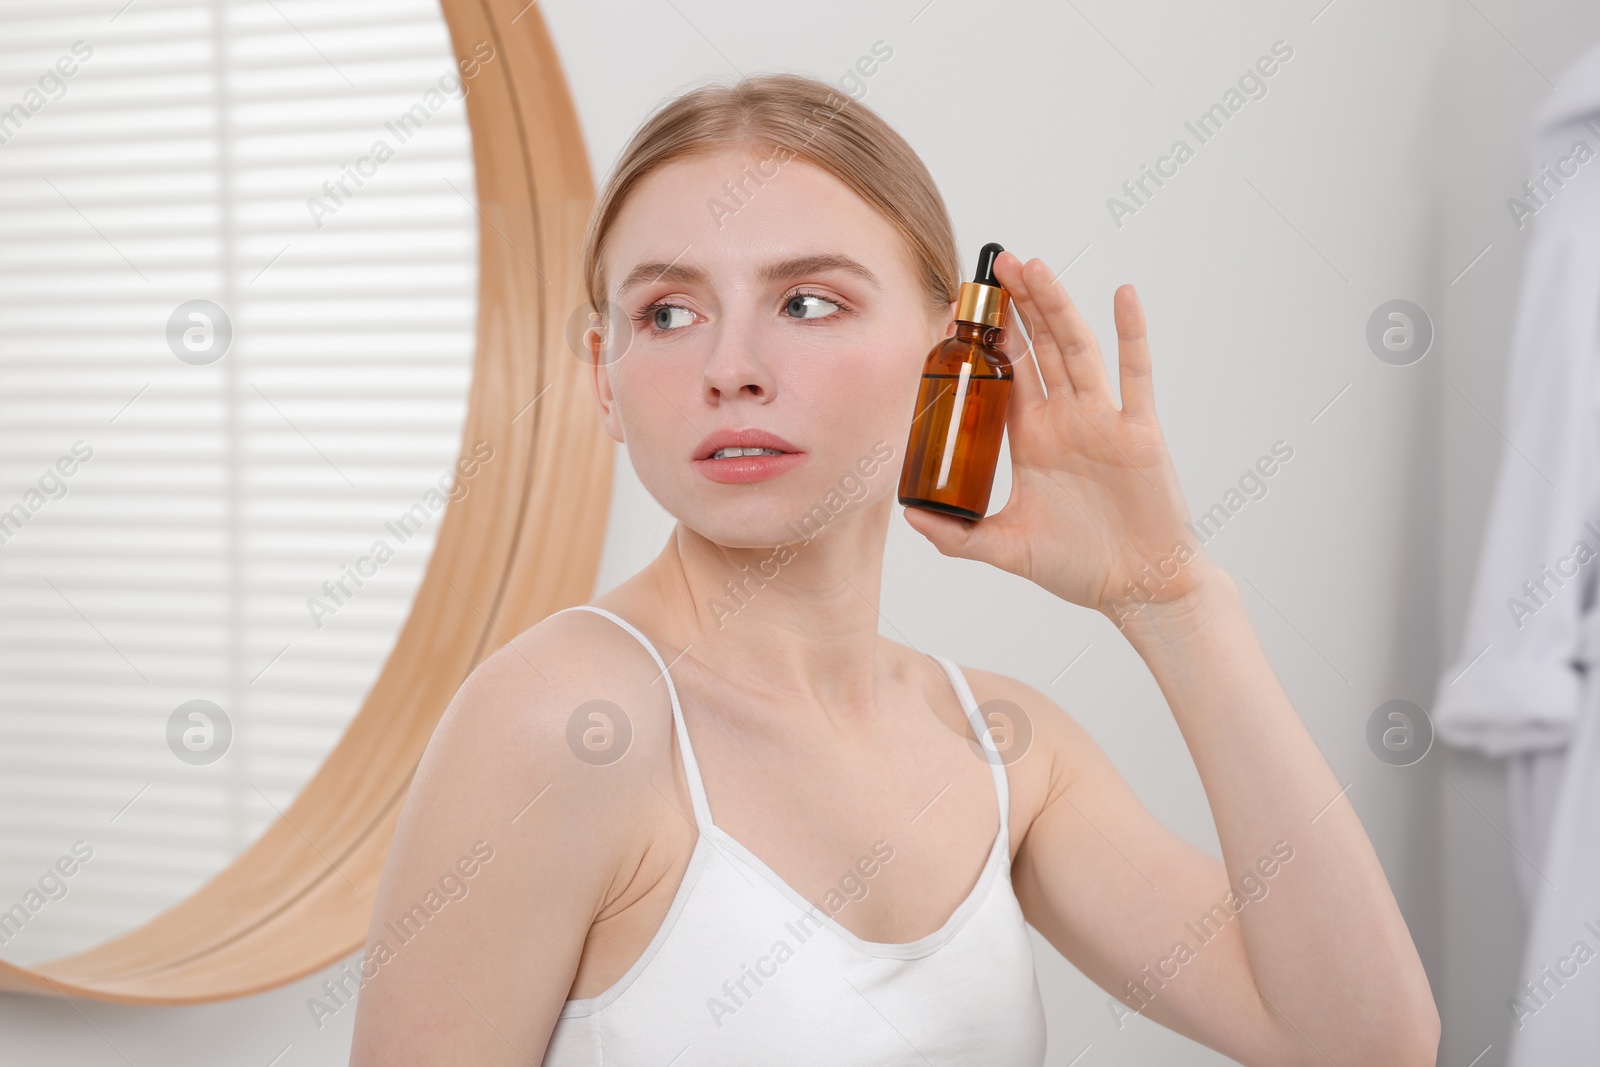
{"x":969,"y":704}
{"x":691,"y":769}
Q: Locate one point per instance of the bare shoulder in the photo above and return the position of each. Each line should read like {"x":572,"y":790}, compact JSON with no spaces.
{"x":542,"y":768}
{"x":1044,"y":748}
{"x":566,"y":698}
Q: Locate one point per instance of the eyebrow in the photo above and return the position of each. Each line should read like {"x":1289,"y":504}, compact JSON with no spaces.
{"x":780,"y":270}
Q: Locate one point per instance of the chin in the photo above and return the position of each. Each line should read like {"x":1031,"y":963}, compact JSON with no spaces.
{"x":775,"y":522}
{"x":762,"y":527}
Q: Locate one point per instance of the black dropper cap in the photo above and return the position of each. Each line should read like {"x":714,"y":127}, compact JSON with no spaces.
{"x":986,"y":258}
{"x":983,"y":300}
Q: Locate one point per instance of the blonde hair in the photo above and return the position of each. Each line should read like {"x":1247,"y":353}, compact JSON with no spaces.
{"x":793,"y":116}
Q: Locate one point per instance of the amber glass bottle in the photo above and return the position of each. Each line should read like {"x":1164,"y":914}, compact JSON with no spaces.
{"x":961,"y":407}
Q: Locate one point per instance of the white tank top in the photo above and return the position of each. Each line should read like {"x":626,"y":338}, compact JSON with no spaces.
{"x":744,"y":970}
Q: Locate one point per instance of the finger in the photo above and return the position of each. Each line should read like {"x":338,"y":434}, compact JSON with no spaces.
{"x":947,"y":532}
{"x":1080,"y":352}
{"x":952,"y":536}
{"x":1133,"y":355}
{"x":1047,"y":357}
{"x":1027,"y":385}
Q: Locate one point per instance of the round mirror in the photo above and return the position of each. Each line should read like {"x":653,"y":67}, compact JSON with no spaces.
{"x":273,"y":383}
{"x":237,"y":344}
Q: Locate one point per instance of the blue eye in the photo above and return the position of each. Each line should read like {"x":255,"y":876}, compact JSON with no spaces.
{"x":811,"y":306}
{"x":659,"y":317}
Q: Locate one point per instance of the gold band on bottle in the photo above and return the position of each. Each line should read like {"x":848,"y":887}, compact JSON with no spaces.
{"x":984,"y":305}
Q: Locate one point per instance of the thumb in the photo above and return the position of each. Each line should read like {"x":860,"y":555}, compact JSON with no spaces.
{"x":952,"y":536}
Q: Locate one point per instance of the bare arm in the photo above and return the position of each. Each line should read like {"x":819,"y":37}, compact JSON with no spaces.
{"x":1332,"y":955}
{"x":474,"y":967}
{"x":1292,"y":949}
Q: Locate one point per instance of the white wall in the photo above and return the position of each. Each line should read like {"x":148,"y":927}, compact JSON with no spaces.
{"x":1375,"y":168}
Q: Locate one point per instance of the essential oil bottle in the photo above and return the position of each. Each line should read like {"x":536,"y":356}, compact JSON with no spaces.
{"x":961,"y":406}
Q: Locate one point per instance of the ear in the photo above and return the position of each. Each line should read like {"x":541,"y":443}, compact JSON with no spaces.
{"x":600,"y":381}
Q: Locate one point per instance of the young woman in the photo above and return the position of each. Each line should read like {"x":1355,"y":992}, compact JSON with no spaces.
{"x":726,"y":821}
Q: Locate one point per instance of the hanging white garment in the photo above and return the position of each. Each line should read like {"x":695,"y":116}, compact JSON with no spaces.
{"x":1533,"y":785}
{"x":1520,"y":687}
{"x":1556,"y":1006}
{"x":1517,"y":683}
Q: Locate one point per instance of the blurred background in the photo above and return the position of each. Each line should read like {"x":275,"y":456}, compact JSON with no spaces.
{"x":249,"y":339}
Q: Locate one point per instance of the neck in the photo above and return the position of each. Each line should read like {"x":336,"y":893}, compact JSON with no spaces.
{"x":797,"y":622}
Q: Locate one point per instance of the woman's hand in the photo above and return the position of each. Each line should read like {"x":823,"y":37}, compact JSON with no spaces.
{"x":1096,"y":514}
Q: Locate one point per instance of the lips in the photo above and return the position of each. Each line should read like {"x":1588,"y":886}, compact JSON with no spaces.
{"x":746,"y":470}
{"x":749,"y":470}
{"x":750,"y":438}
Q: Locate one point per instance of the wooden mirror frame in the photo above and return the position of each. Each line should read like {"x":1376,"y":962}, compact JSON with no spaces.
{"x":525,"y":542}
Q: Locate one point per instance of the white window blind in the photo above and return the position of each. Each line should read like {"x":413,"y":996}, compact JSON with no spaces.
{"x":184,"y":160}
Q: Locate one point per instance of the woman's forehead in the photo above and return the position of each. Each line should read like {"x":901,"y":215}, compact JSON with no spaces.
{"x":732,"y":220}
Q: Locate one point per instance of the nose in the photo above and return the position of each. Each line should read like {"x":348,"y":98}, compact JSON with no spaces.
{"x":735,"y":366}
